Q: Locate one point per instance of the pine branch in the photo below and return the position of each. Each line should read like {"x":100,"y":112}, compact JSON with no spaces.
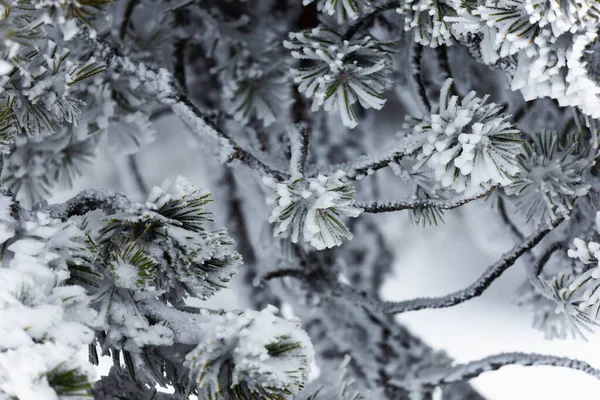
{"x":89,"y":200}
{"x":168,"y":93}
{"x":476,"y":288}
{"x":463,"y":372}
{"x":377,"y":208}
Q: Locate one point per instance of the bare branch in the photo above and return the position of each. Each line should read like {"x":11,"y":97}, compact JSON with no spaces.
{"x":377,"y":208}
{"x":476,"y":288}
{"x":462,"y":372}
{"x":204,"y":126}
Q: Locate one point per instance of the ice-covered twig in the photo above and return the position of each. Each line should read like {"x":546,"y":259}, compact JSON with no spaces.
{"x":299,"y":141}
{"x":230,"y":150}
{"x":88,"y":200}
{"x":280,"y":273}
{"x":376,"y":208}
{"x":463,"y":372}
{"x":368,"y":164}
{"x":476,"y":288}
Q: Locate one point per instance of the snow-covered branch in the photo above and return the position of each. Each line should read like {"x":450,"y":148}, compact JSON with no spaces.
{"x":376,"y":207}
{"x":161,"y":83}
{"x":476,"y":288}
{"x":88,"y":200}
{"x":463,"y":372}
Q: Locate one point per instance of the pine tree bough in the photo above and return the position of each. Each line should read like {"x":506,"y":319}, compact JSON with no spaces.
{"x":295,"y":92}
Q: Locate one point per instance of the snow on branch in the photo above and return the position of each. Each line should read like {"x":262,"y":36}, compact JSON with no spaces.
{"x":160,"y":82}
{"x":476,"y":288}
{"x":377,"y":208}
{"x":88,"y":200}
{"x":463,"y":372}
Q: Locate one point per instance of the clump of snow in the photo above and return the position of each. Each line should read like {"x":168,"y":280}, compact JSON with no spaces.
{"x":44,"y":324}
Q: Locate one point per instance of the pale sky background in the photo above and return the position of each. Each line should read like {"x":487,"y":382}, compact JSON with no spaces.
{"x":432,"y":261}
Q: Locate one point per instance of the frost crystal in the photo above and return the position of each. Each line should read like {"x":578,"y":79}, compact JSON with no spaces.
{"x":254,"y":354}
{"x":343,"y":71}
{"x":312,"y":208}
{"x":469,"y":144}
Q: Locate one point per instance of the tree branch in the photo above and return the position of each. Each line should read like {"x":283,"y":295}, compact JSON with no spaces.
{"x":476,"y":288}
{"x":137,"y":175}
{"x":89,"y":200}
{"x":359,"y":23}
{"x":377,"y":208}
{"x":462,"y":372}
{"x":162,"y":83}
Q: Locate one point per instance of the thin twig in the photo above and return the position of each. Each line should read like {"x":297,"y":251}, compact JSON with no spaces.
{"x":464,"y":372}
{"x":358,"y":24}
{"x":185,"y":108}
{"x":508,"y":221}
{"x":238,"y":153}
{"x":376,"y":207}
{"x":281,"y":273}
